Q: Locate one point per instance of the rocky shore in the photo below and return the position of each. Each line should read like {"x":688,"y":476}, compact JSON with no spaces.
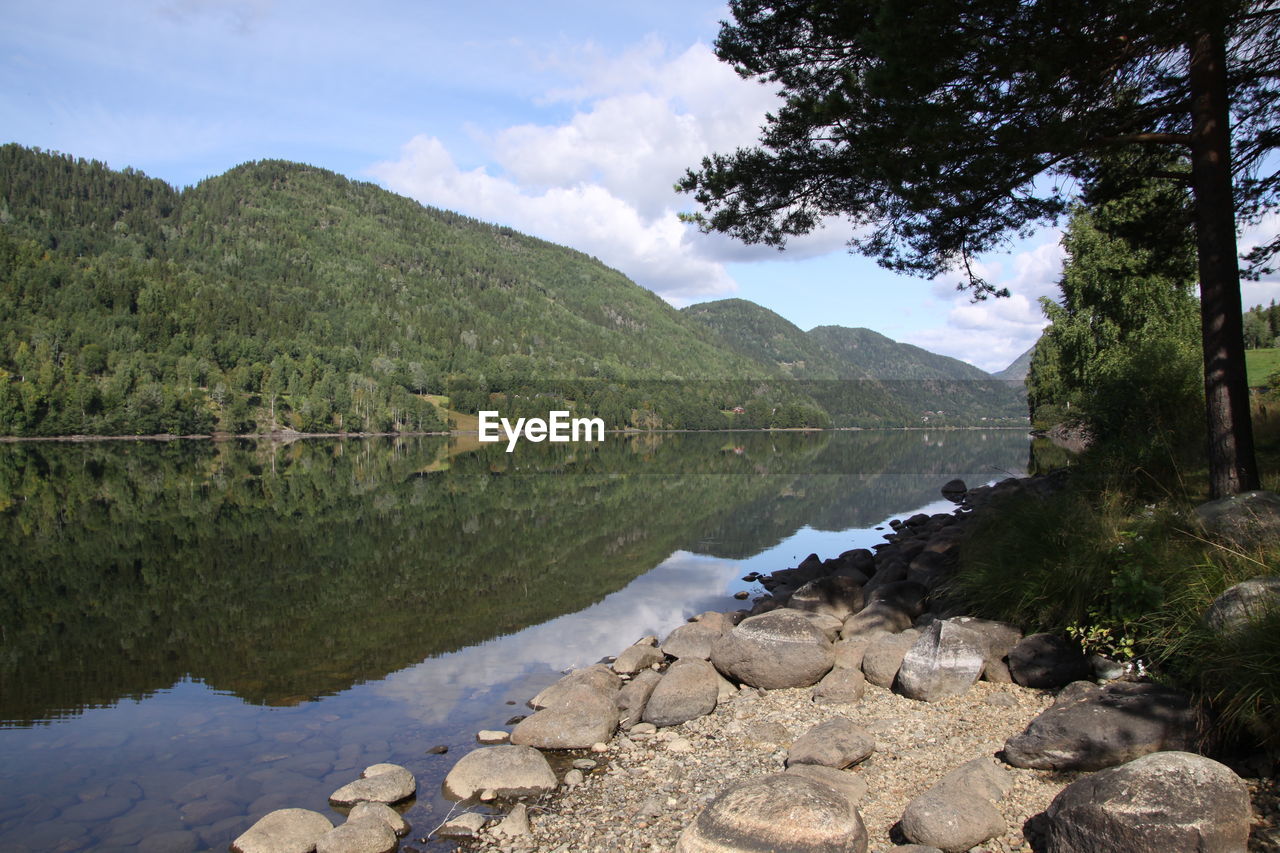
{"x":854,"y":707}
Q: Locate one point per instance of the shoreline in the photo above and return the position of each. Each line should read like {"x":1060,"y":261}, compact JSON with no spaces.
{"x":76,"y":438}
{"x":644,"y":787}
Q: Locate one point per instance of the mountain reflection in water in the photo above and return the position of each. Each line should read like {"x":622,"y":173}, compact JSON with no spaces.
{"x":250,"y":610}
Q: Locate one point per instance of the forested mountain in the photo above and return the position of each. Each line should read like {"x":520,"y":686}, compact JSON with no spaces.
{"x":282,"y":296}
{"x":1018,"y":370}
{"x":858,"y":373}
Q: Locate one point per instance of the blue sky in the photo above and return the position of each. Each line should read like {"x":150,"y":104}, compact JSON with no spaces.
{"x":565,"y":119}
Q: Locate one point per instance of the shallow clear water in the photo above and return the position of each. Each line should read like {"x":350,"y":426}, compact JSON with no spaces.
{"x":196,"y":634}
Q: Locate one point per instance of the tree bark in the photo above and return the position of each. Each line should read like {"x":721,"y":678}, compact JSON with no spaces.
{"x":1232,"y":464}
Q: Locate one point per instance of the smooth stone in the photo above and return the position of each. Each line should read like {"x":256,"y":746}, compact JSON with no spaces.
{"x":490,"y":737}
{"x":878,"y":616}
{"x":1001,"y":638}
{"x":835,"y":596}
{"x":850,"y":785}
{"x":774,"y":650}
{"x":1047,"y":661}
{"x":359,"y":835}
{"x":379,"y":783}
{"x":581,"y":716}
{"x":463,"y":826}
{"x":883,"y":656}
{"x":599,"y":676}
{"x":515,"y":824}
{"x":838,"y":743}
{"x":1163,"y":802}
{"x":849,"y":653}
{"x":694,"y":639}
{"x":690,"y":688}
{"x":1244,"y":604}
{"x":951,"y":819}
{"x":573,"y":778}
{"x":637,"y":657}
{"x":510,"y":771}
{"x":383,"y":812}
{"x":283,"y":831}
{"x":782,"y":811}
{"x":1244,"y":520}
{"x":1090,"y":727}
{"x":633,"y":697}
{"x":945,"y":661}
{"x":845,"y":686}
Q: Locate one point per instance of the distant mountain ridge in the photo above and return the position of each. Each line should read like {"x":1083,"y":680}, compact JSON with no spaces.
{"x":844,"y":366}
{"x":280,"y":296}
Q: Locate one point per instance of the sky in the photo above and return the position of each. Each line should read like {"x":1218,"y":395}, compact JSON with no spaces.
{"x":565,"y":119}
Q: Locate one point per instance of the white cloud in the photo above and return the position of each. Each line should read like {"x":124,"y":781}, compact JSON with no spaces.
{"x":602,"y":180}
{"x":1006,"y":327}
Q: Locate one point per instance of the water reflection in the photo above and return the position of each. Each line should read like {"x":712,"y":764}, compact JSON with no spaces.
{"x":195,"y":634}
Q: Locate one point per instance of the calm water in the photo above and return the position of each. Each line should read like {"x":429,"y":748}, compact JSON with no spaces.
{"x":194,"y":634}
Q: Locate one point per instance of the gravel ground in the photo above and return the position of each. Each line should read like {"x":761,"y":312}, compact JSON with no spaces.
{"x":647,"y":788}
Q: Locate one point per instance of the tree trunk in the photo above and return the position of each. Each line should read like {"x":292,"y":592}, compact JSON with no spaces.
{"x":1232,"y":465}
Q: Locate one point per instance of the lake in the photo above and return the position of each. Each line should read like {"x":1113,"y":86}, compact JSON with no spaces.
{"x":193,"y":634}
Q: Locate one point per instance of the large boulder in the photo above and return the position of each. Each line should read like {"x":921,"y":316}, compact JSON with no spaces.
{"x":877,"y":617}
{"x":581,"y":716}
{"x":838,"y":597}
{"x":689,"y":689}
{"x":507,"y":771}
{"x":634,"y":695}
{"x":1244,"y":604}
{"x":1159,"y":803}
{"x":283,"y":831}
{"x":930,"y":569}
{"x":945,"y":661}
{"x":851,"y":785}
{"x":883,"y":657}
{"x":379,"y":783}
{"x":1091,"y":727}
{"x":1047,"y":661}
{"x":838,"y":742}
{"x":777,"y":649}
{"x":1001,"y":638}
{"x":1243,"y":520}
{"x":597,"y":675}
{"x":693,"y":639}
{"x":783,"y":811}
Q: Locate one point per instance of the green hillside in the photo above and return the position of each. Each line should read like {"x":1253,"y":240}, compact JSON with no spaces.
{"x":1018,"y":370}
{"x":281,"y":296}
{"x":859,"y":376}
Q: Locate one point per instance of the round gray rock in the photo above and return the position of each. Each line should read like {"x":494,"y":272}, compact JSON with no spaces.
{"x":508,"y":771}
{"x":1046,"y":661}
{"x":951,"y":819}
{"x":597,"y":675}
{"x":637,"y":657}
{"x":838,"y":743}
{"x":689,"y":688}
{"x":634,"y":695}
{"x":694,"y":639}
{"x":283,"y":831}
{"x":1159,"y":803}
{"x":581,"y":716}
{"x":362,"y":835}
{"x":840,"y":686}
{"x":783,"y":811}
{"x":1243,"y":604}
{"x":383,"y":812}
{"x":1245,"y":519}
{"x":883,"y":657}
{"x":777,"y":649}
{"x":379,"y":783}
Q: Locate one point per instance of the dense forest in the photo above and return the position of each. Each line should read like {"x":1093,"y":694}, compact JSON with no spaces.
{"x":283,"y":297}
